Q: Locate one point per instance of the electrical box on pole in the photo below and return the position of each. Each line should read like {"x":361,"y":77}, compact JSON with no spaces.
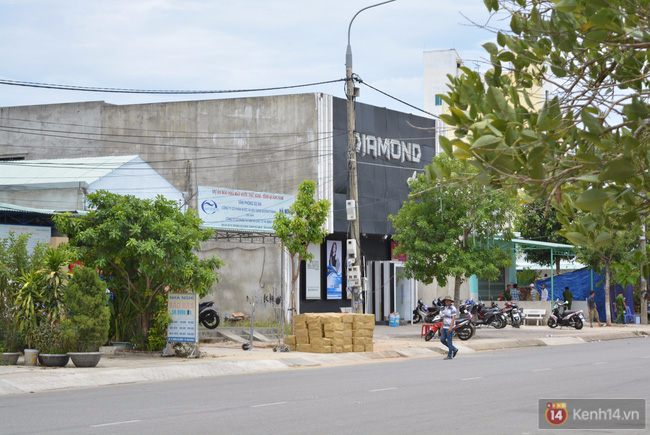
{"x":352,"y":249}
{"x":350,"y":209}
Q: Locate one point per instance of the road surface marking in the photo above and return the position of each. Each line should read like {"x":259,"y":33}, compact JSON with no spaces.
{"x":117,"y":422}
{"x":383,"y":389}
{"x":541,"y":370}
{"x":268,"y":404}
{"x":471,"y":379}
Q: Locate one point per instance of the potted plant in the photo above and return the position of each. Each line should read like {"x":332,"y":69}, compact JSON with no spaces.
{"x":86,"y":299}
{"x":55,"y":341}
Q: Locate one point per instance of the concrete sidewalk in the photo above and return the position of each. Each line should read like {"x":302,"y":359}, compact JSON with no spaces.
{"x":229,"y":358}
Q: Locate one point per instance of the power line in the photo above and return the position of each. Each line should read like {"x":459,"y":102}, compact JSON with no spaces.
{"x":358,"y":79}
{"x":158,"y":91}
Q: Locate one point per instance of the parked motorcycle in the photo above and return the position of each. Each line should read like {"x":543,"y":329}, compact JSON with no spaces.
{"x":561,"y":317}
{"x":515,"y":314}
{"x":463,"y":327}
{"x":420,"y":312}
{"x":208,"y":316}
{"x":487,"y":316}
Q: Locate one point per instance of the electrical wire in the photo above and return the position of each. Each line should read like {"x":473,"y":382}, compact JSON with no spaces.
{"x":358,"y":79}
{"x":158,"y":91}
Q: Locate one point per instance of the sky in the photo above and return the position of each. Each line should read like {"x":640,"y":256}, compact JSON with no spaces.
{"x":228,"y":45}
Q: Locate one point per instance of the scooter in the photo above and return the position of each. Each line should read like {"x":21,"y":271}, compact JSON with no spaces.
{"x":515,"y":314}
{"x":573,"y":318}
{"x":487,"y":316}
{"x":208,"y":316}
{"x":463,"y":328}
{"x":420,"y":312}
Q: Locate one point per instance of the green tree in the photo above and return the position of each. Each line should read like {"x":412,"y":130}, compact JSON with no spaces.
{"x":448,"y":229}
{"x":299,"y":228}
{"x":586,"y":148}
{"x":536,"y":222}
{"x":143,"y":248}
{"x":608,"y":258}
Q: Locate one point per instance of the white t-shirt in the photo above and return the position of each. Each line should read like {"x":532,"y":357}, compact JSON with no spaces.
{"x":448,"y":312}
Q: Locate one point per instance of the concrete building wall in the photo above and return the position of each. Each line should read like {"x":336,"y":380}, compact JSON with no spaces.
{"x":55,"y":199}
{"x":437,"y":64}
{"x":266,"y":144}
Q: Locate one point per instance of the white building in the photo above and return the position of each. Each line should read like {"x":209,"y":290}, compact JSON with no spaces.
{"x":437,"y":64}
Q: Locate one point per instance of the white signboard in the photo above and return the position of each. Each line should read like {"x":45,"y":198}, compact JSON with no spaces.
{"x":312,"y":276}
{"x":240,"y":210}
{"x":39,"y":234}
{"x":184,"y":309}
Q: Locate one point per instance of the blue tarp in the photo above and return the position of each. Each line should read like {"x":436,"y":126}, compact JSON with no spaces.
{"x":580,"y":284}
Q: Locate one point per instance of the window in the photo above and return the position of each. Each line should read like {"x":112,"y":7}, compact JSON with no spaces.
{"x":438,"y":100}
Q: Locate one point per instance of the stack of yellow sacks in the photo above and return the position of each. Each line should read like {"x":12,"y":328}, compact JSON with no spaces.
{"x":332,"y":333}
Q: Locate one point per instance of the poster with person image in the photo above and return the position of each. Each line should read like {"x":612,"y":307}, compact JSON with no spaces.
{"x":334,"y":269}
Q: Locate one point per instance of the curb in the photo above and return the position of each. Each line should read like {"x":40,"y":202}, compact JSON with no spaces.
{"x":20,"y":379}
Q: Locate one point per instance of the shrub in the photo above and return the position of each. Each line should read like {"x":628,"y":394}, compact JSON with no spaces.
{"x":86,"y":299}
{"x":56,"y":338}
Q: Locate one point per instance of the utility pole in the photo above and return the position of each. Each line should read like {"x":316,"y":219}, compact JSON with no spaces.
{"x":644,"y":283}
{"x":353,"y":186}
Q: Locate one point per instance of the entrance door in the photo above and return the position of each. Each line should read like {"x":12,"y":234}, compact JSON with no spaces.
{"x":387,"y":292}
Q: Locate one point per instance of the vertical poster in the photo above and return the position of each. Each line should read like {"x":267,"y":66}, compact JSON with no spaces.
{"x":334,"y":269}
{"x":312,"y":276}
{"x":184,"y":325}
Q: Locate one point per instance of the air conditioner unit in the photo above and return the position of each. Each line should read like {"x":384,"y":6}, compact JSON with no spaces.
{"x":352,"y":249}
{"x":350,"y":209}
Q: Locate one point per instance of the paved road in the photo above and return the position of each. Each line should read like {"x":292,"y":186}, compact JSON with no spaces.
{"x":485,"y":392}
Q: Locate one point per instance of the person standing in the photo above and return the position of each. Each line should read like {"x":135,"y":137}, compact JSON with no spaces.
{"x":449,"y":319}
{"x":591,"y":305}
{"x":620,"y":307}
{"x":568,"y":297}
{"x":514,"y":293}
{"x":534,"y":294}
{"x":544,"y":293}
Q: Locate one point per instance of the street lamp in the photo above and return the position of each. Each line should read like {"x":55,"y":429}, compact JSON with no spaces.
{"x":352,"y":165}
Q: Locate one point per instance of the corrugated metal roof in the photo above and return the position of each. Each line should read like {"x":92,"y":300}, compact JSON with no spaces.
{"x":59,"y":171}
{"x":21,"y":209}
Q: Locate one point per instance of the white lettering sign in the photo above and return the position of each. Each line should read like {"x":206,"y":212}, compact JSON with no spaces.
{"x":388,"y":149}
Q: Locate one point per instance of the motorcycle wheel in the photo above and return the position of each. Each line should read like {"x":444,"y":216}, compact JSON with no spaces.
{"x":210,"y":319}
{"x":416,"y":318}
{"x":515,"y":323}
{"x":502,"y":322}
{"x":577,"y":323}
{"x":551,"y":323}
{"x":465,"y":333}
{"x":430,"y":334}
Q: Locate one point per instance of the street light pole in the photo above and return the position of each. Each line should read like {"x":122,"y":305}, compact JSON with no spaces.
{"x":357,"y":291}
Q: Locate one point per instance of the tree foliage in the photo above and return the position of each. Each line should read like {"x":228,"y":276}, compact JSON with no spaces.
{"x":536,"y":222}
{"x":143,"y":248}
{"x":610,"y":259}
{"x":586,"y":149}
{"x":300,"y":227}
{"x":86,"y":300}
{"x":448,"y":229}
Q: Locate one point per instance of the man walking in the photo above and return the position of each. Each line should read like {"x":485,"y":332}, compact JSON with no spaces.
{"x":620,"y":307}
{"x":544,"y":293}
{"x":591,"y":304}
{"x":449,"y":316}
